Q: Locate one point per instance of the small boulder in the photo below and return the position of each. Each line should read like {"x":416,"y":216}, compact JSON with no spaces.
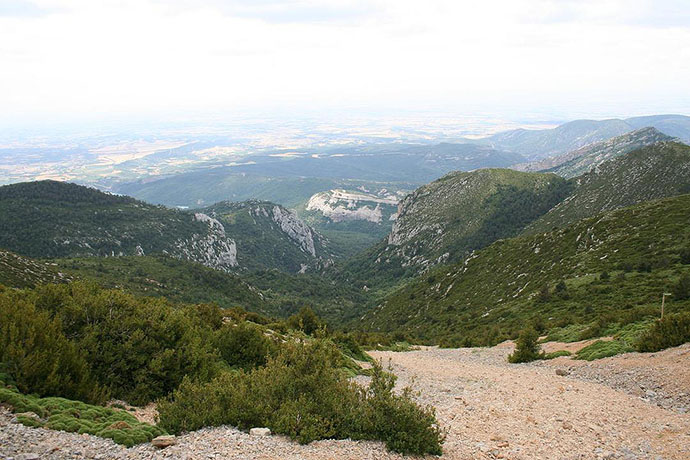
{"x":562,"y":372}
{"x":567,"y":426}
{"x":260,"y":432}
{"x":31,"y":415}
{"x":163,"y":441}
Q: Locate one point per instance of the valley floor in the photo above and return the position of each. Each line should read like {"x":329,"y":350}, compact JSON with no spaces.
{"x":632,"y":406}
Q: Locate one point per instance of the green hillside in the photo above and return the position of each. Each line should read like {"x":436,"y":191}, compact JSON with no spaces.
{"x":649,"y":173}
{"x":607,"y":270}
{"x":55,"y":219}
{"x":445,"y":220}
{"x":20,"y":272}
{"x":159,"y":276}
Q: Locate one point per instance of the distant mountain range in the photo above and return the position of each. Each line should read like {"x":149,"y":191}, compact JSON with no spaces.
{"x":594,"y":226}
{"x":543,"y":143}
{"x":656,"y":171}
{"x":582,"y":160}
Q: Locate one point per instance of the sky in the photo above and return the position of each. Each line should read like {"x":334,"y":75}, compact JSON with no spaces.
{"x":566,"y":58}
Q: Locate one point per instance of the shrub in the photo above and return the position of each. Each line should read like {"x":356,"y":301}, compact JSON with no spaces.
{"x":603,"y":349}
{"x":303,"y":394}
{"x":681,"y":291}
{"x":306,"y":321}
{"x":544,"y":294}
{"x":78,"y":417}
{"x":39,"y":357}
{"x":527,"y":348}
{"x":557,"y":354}
{"x":671,"y":331}
{"x":685,"y":256}
{"x":243,"y":345}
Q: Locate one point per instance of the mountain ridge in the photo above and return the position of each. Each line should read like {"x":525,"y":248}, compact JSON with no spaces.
{"x":55,"y":219}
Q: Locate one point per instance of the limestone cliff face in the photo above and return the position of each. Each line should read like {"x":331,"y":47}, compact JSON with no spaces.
{"x":343,"y":205}
{"x":213,"y":249}
{"x":295,"y":229}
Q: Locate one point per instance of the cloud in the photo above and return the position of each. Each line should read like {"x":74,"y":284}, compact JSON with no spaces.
{"x":137,"y":55}
{"x":286,"y":11}
{"x":23,"y":9}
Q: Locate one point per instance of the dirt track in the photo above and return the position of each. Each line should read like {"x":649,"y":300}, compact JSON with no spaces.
{"x":496,"y":410}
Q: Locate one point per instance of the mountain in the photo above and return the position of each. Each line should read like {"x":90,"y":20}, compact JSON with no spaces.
{"x":582,"y":160}
{"x":21,"y":272}
{"x":543,"y":143}
{"x":656,"y":171}
{"x":55,"y":219}
{"x":270,"y":236}
{"x":677,"y":126}
{"x":576,"y":275}
{"x":448,"y":218}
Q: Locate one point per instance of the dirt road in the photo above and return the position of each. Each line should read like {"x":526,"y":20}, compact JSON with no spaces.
{"x":497,"y":410}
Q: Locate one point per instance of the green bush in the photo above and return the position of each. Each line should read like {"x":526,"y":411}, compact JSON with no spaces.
{"x":603,"y":349}
{"x":671,"y":331}
{"x":306,"y":321}
{"x":37,"y":354}
{"x":557,"y":354}
{"x":78,"y":417}
{"x":243,"y":345}
{"x":685,"y":256}
{"x":681,"y":291}
{"x":526,"y":348}
{"x":302,"y":393}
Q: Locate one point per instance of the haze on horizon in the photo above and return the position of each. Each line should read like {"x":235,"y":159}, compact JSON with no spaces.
{"x":561,"y":58}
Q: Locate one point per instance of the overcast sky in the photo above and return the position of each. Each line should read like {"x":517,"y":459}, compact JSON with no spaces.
{"x":143,"y":56}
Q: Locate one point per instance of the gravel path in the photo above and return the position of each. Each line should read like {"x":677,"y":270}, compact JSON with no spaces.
{"x":491,"y":410}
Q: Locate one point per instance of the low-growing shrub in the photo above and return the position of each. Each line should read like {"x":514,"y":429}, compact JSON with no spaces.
{"x":37,"y":354}
{"x":671,"y":331}
{"x":78,"y":417}
{"x":603,"y":349}
{"x":557,"y":354}
{"x":681,"y":291}
{"x":303,"y":393}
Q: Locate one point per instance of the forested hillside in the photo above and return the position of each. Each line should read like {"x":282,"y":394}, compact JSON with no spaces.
{"x":613,"y":268}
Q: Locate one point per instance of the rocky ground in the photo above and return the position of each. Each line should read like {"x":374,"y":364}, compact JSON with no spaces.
{"x":632,"y":406}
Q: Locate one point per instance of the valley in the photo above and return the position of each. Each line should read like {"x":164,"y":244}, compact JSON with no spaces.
{"x":263,"y":293}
